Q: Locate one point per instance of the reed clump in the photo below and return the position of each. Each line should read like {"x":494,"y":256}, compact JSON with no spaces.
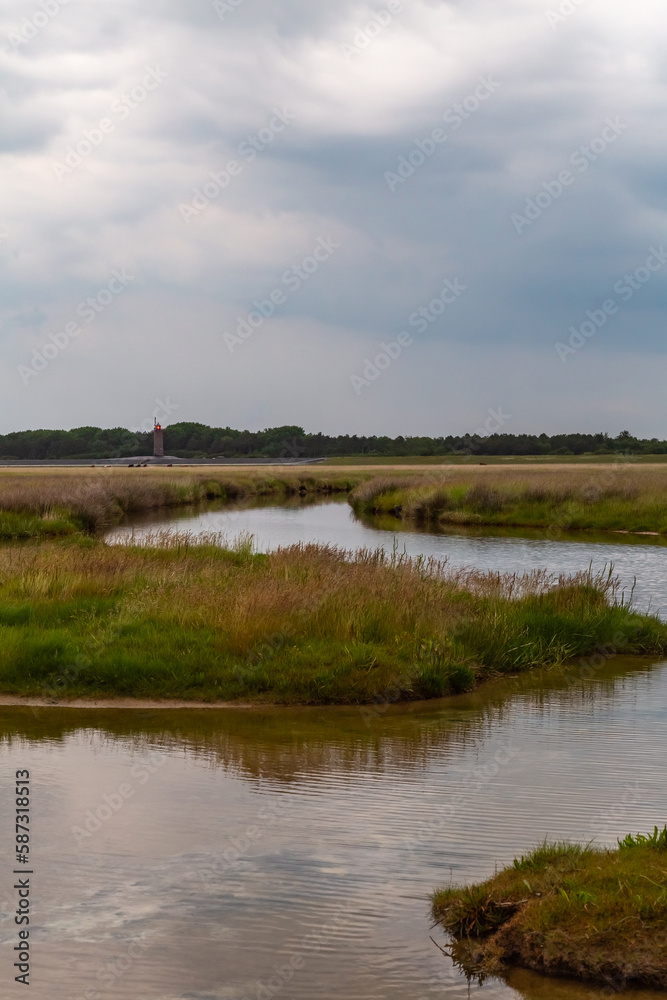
{"x":567,"y":910}
{"x":607,"y":498}
{"x":86,"y":500}
{"x":202,"y":618}
{"x":619,"y":498}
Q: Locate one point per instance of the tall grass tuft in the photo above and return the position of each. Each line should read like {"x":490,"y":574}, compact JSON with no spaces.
{"x":85,"y":500}
{"x":616,"y":498}
{"x":200,"y":617}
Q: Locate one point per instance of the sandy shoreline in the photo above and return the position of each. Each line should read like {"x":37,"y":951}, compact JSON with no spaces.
{"x":7,"y":700}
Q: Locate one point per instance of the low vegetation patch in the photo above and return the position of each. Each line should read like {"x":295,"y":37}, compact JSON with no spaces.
{"x":567,"y":910}
{"x":621,"y":499}
{"x":192,"y":617}
{"x":51,"y":524}
{"x":46,"y":502}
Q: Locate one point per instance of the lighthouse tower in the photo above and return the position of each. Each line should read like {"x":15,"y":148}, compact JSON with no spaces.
{"x":158,"y":441}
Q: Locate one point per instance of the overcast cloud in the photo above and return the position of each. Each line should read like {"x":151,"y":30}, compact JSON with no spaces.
{"x":512,"y":227}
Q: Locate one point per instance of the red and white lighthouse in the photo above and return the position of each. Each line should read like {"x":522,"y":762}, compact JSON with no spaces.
{"x":158,"y":441}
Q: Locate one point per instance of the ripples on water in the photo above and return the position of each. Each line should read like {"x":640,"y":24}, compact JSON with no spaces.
{"x":342,"y":831}
{"x":256,"y":842}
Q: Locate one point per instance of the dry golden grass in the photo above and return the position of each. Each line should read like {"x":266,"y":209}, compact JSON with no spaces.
{"x":97,"y":497}
{"x":188,"y":617}
{"x":569,"y":495}
{"x":614,"y":497}
{"x":549,"y":477}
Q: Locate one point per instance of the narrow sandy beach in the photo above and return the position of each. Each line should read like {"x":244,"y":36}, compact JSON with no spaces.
{"x":143,"y":703}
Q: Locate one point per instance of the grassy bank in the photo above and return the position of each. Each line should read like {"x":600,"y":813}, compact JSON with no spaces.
{"x":46,"y":502}
{"x":617,"y":499}
{"x":497,"y":460}
{"x":567,"y":910}
{"x":189,"y":618}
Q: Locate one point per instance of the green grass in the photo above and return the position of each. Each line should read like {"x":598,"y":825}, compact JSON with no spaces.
{"x":45,"y":502}
{"x":191,"y":618}
{"x":15,"y":525}
{"x":623,"y":497}
{"x":626,"y":500}
{"x":657,"y":839}
{"x":569,"y":910}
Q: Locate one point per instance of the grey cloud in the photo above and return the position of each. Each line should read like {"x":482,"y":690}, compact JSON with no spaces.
{"x":324,"y":173}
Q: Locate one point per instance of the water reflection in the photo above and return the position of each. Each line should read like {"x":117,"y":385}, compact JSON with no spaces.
{"x":530,"y":986}
{"x":278,"y":744}
{"x":304,"y":843}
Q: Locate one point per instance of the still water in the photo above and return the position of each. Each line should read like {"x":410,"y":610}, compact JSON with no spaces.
{"x":634,"y":557}
{"x":250,"y":854}
{"x":223,"y":855}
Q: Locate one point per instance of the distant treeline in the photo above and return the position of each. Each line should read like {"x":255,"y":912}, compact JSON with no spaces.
{"x":192,"y":440}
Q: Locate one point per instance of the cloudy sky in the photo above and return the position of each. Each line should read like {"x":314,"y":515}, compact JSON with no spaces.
{"x":418,"y":217}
